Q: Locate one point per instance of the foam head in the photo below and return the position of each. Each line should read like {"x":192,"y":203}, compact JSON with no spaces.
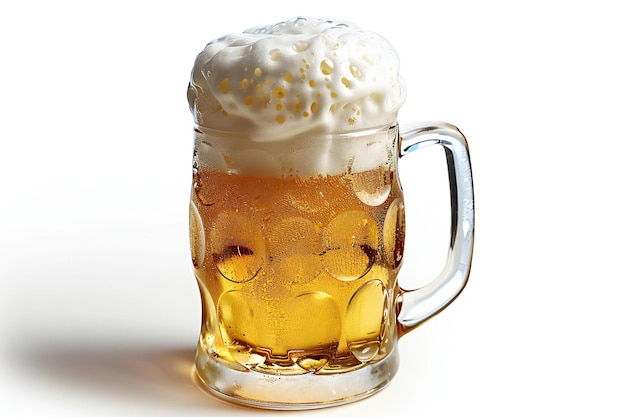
{"x":301,"y":76}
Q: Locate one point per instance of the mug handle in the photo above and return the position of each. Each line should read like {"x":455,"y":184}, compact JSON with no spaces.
{"x":414,"y":307}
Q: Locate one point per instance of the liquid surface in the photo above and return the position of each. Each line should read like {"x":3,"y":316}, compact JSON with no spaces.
{"x":297,"y":275}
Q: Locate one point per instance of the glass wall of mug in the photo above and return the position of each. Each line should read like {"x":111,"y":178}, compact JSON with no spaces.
{"x":296,"y":246}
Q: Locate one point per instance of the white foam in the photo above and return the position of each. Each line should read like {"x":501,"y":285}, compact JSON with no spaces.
{"x":303,"y":157}
{"x":301,"y":76}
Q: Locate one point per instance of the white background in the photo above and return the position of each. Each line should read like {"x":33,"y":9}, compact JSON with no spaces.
{"x":99,"y":311}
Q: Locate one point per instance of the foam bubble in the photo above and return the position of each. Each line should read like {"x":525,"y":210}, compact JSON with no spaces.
{"x":301,"y":76}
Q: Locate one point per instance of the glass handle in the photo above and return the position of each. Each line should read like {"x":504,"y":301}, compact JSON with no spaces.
{"x":414,"y":307}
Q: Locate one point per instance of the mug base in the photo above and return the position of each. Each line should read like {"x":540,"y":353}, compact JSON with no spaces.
{"x":293,"y":392}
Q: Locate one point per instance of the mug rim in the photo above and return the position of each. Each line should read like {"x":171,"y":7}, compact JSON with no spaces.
{"x":208,"y":131}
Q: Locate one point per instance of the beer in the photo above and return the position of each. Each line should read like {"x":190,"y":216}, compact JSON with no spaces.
{"x":297,"y":214}
{"x":297,"y":275}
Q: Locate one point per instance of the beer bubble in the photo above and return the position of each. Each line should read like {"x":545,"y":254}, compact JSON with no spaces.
{"x":196,"y":235}
{"x":327,"y":67}
{"x":393,"y":234}
{"x":300,"y":46}
{"x":351,"y":242}
{"x":365,"y":317}
{"x":238,"y":248}
{"x":275,"y":54}
{"x":356,"y":72}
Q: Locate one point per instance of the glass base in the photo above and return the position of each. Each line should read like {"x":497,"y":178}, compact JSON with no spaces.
{"x":293,"y":392}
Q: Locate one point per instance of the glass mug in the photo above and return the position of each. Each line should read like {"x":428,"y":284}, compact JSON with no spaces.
{"x":296,"y":248}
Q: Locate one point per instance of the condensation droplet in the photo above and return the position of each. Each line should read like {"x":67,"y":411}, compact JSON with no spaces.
{"x":366,"y":351}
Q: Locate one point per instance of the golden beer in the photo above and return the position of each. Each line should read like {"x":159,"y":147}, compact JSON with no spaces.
{"x":297,"y":275}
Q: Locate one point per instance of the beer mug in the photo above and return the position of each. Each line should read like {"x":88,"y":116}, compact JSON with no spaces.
{"x":297,"y":243}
